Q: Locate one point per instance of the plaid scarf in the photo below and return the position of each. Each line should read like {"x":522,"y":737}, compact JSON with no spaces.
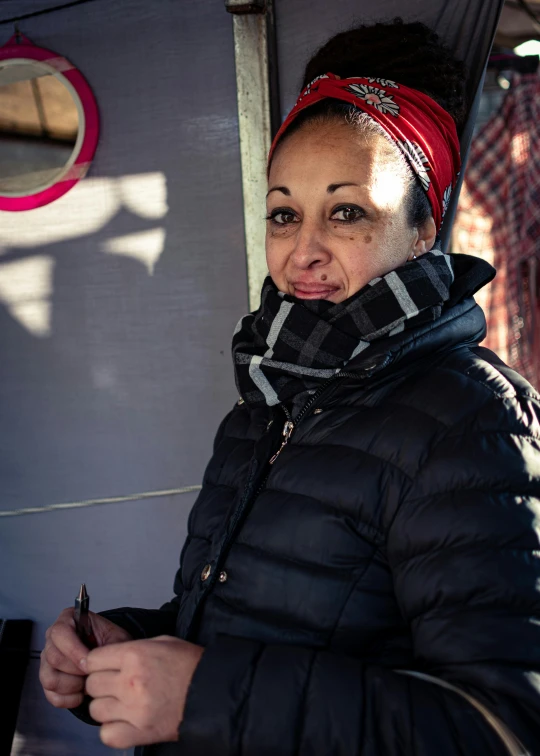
{"x":286,"y":345}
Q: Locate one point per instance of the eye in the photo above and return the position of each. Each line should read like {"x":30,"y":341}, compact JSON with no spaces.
{"x":284,"y":216}
{"x":355,"y":213}
{"x":285,"y":213}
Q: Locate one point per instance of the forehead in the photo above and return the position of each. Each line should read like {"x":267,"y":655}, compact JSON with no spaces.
{"x":319,"y":149}
{"x":318,"y":155}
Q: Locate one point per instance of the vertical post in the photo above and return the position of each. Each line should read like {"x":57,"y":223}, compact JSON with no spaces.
{"x":252,"y":22}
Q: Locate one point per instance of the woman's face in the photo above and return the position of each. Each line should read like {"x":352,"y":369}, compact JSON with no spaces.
{"x":326,"y":240}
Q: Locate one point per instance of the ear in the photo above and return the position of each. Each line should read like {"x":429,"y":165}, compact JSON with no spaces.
{"x":424,"y":238}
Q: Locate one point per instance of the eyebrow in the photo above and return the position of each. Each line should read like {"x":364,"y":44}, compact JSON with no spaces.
{"x":331,"y":188}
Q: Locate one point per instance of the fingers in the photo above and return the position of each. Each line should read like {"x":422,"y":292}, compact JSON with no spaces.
{"x":109,"y":657}
{"x":59,"y":661}
{"x":64,"y":691}
{"x":103,"y":684}
{"x":121,"y":735}
{"x":59,"y":682}
{"x":60,"y":674}
{"x":108,"y":709}
{"x":61,"y":701}
{"x":62,"y":635}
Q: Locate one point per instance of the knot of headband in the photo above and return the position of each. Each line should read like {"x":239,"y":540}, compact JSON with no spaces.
{"x":423,"y":130}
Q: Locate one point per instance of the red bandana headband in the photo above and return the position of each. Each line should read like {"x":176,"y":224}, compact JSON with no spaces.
{"x":422,"y":129}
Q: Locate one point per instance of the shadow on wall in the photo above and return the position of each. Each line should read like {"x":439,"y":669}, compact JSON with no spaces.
{"x":111,"y":342}
{"x":116,"y":371}
{"x":117,"y":306}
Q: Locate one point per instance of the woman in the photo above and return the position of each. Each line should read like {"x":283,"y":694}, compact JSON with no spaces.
{"x":370,"y":505}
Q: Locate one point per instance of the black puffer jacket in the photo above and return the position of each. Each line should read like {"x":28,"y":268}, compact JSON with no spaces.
{"x":395,"y":530}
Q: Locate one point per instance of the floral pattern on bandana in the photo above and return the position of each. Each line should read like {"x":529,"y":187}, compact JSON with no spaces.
{"x":417,"y":159}
{"x":446,"y":199}
{"x":414,"y":121}
{"x":376,"y":97}
{"x":388,"y":83}
{"x":307,"y":90}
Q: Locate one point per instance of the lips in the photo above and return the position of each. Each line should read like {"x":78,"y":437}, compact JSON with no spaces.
{"x":304,"y":290}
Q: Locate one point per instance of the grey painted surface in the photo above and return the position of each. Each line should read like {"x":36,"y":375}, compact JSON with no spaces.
{"x":115,"y":357}
{"x":128,"y":555}
{"x":120,"y":386}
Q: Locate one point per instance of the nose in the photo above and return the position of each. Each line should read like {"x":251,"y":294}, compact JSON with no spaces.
{"x":310,"y":248}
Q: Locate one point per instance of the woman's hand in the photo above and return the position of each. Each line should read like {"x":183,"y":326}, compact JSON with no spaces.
{"x":60,"y":673}
{"x":140,"y":688}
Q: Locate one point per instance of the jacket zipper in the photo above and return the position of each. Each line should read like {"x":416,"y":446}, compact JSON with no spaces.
{"x":248,"y":497}
{"x":290,"y":426}
{"x":287,"y":432}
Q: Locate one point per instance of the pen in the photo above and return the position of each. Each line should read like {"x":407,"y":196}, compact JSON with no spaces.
{"x":83,"y":626}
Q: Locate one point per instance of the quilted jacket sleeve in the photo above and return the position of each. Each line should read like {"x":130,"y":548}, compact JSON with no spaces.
{"x":146,"y":623}
{"x":463,"y":547}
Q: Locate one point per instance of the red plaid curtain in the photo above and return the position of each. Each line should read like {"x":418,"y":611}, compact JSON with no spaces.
{"x":498,"y":219}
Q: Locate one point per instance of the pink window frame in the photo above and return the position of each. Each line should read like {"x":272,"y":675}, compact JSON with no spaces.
{"x":24,"y":48}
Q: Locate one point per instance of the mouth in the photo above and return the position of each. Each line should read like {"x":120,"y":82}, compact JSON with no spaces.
{"x":313,"y":291}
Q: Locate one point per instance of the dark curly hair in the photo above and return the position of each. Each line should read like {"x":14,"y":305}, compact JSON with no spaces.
{"x":409,"y":53}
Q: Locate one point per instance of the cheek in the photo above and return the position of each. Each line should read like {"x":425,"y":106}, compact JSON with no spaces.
{"x":276,"y":258}
{"x":368,"y":256}
{"x":272,"y":251}
{"x":390,"y":247}
{"x":362,"y":257}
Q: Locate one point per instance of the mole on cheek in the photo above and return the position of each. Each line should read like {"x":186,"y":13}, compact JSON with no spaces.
{"x":367,"y":239}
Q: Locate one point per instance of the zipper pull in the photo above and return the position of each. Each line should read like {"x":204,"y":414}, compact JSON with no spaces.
{"x":287,"y":432}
